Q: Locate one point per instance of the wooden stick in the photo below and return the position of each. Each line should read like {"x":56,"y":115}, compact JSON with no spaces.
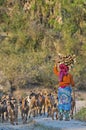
{"x":74,"y":98}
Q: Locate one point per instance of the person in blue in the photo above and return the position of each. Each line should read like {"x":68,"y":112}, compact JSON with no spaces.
{"x":66,"y":83}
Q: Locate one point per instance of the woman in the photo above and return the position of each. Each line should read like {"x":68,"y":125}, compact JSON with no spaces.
{"x":64,"y":91}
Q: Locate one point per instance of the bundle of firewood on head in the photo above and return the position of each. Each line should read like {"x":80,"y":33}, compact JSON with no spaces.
{"x":68,"y":60}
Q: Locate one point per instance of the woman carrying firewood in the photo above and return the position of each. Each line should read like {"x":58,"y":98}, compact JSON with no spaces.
{"x":64,"y":90}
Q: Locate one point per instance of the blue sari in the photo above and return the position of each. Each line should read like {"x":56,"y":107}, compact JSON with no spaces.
{"x":64,"y":98}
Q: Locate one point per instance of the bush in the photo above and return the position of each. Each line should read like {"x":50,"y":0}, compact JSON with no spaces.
{"x":2,"y":2}
{"x":81,"y":115}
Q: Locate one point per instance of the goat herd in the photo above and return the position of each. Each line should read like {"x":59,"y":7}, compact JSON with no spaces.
{"x":35,"y":104}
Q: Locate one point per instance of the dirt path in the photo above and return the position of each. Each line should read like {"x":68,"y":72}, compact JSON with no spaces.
{"x":80,"y":104}
{"x":43,"y":123}
{"x":62,"y":125}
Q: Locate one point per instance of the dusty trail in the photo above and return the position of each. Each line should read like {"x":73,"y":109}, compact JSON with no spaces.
{"x":43,"y":123}
{"x":62,"y":125}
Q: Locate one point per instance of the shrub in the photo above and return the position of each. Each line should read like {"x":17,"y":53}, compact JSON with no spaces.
{"x":81,"y":115}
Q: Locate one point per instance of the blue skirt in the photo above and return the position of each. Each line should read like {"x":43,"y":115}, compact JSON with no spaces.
{"x":64,"y":98}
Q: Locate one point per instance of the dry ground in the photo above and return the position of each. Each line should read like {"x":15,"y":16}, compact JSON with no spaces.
{"x":79,"y":95}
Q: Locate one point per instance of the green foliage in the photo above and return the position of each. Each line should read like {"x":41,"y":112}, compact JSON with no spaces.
{"x":45,"y":30}
{"x":2,"y":2}
{"x":81,"y":115}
